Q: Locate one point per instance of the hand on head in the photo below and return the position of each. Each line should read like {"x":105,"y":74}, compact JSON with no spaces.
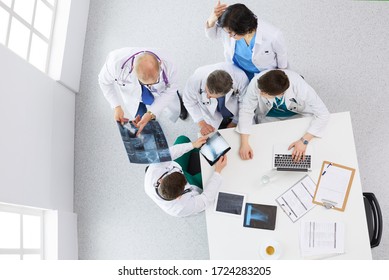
{"x":219,"y":8}
{"x":217,"y":11}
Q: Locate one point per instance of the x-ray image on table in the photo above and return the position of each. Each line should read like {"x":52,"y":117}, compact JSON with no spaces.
{"x":260,"y":216}
{"x":215,"y":147}
{"x":149,"y":147}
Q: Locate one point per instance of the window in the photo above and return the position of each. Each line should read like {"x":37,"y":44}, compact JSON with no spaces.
{"x":26,"y":27}
{"x":21,"y":233}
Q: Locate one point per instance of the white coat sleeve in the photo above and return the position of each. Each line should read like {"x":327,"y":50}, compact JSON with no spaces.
{"x":190,"y":98}
{"x":321,"y":115}
{"x":279,"y":47}
{"x":107,"y":85}
{"x":247,"y":108}
{"x":169,"y":94}
{"x":178,"y":150}
{"x":201,"y":202}
{"x":213,"y":32}
{"x":242,"y":83}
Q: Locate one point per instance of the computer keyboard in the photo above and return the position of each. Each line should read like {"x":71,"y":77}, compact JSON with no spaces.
{"x":285,"y":163}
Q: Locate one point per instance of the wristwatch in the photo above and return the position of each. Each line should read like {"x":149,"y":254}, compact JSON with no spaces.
{"x":305,"y":141}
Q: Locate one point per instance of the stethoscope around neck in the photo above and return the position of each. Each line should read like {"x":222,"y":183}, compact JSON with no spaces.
{"x":123,"y":76}
{"x":157,"y":183}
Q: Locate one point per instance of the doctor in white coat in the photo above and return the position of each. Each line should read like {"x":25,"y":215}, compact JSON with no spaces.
{"x":212,"y":95}
{"x":167,"y":186}
{"x":278,"y":95}
{"x":250,"y":43}
{"x":143,"y":81}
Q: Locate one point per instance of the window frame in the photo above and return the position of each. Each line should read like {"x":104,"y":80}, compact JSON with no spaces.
{"x":29,"y":212}
{"x":32,"y":30}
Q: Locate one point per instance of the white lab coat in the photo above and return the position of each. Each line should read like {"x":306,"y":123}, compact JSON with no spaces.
{"x":200,"y":107}
{"x":165,"y":96}
{"x":300,"y":98}
{"x":269,"y":50}
{"x":189,"y":203}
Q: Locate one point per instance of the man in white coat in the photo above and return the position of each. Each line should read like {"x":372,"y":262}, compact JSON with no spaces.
{"x":212,"y":95}
{"x":144,"y":82}
{"x":170,"y":186}
{"x":278,"y":95}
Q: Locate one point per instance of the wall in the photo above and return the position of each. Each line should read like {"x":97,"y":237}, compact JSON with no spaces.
{"x":37,"y":116}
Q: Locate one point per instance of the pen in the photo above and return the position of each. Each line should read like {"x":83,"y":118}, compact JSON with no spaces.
{"x":326,"y":169}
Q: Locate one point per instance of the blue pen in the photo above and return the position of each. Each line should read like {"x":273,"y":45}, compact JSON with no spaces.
{"x":326,"y":168}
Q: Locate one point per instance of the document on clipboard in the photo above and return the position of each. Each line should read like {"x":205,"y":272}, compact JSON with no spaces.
{"x":333,"y":186}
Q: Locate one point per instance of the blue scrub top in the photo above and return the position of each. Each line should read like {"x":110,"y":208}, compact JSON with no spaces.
{"x":279,"y":109}
{"x":243,"y":57}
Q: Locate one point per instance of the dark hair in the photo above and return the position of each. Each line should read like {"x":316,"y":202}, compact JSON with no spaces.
{"x":219,"y":81}
{"x":239,"y":19}
{"x":172,"y":185}
{"x":273,"y":82}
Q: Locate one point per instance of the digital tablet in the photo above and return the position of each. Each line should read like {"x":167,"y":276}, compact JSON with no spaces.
{"x":260,"y":216}
{"x":230,"y":203}
{"x":215,"y":147}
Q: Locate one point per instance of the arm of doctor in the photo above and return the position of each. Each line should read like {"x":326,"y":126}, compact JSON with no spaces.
{"x":217,"y":11}
{"x":179,"y":149}
{"x":212,"y":187}
{"x":299,"y":147}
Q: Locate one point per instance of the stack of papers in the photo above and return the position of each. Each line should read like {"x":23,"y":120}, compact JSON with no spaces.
{"x":322,"y":238}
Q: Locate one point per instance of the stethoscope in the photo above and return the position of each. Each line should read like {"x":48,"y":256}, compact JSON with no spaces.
{"x":270,"y":104}
{"x":207,"y":101}
{"x":157,"y":184}
{"x":123,"y":76}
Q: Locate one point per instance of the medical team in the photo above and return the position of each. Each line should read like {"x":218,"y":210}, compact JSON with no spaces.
{"x":253,"y":85}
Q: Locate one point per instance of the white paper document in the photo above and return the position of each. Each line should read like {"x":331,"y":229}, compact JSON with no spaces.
{"x":334,"y":185}
{"x":297,"y":200}
{"x":322,"y":238}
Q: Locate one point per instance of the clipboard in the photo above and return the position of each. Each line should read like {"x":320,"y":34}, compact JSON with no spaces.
{"x":333,"y":186}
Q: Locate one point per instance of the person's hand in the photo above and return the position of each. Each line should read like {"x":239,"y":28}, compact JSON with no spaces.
{"x":218,"y":10}
{"x":199,"y":142}
{"x":221,"y":163}
{"x":119,"y":115}
{"x":205,"y":128}
{"x":231,"y":125}
{"x":245,"y":151}
{"x":299,"y":150}
{"x":140,"y":123}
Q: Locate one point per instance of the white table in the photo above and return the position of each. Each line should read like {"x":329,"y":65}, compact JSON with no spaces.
{"x":227,"y":237}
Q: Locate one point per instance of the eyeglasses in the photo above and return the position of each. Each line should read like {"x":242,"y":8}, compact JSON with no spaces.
{"x":149,"y":85}
{"x":156,"y":82}
{"x":230,"y":33}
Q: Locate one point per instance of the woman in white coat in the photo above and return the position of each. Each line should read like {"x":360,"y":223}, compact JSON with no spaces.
{"x":212,"y":96}
{"x":142,"y":80}
{"x":278,"y":95}
{"x":171,"y":186}
{"x":251,"y":44}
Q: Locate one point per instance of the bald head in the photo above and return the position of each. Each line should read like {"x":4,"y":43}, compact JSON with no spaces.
{"x":147,"y":68}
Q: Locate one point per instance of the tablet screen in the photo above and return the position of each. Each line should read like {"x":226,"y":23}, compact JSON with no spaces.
{"x":215,"y":147}
{"x":230,"y":203}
